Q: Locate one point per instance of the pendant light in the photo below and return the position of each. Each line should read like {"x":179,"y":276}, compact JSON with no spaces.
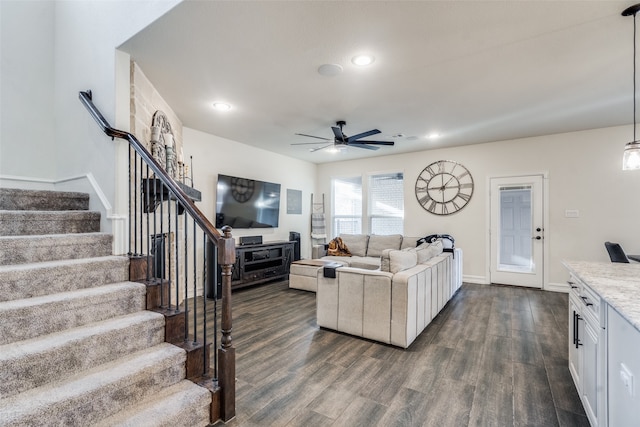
{"x":631,"y":156}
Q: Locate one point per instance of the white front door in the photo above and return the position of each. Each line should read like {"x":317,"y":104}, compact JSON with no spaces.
{"x":517,"y":231}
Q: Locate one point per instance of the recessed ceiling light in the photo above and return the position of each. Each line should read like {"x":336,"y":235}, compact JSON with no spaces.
{"x":363,"y":60}
{"x":221,"y":106}
{"x":330,"y":69}
{"x":433,"y":135}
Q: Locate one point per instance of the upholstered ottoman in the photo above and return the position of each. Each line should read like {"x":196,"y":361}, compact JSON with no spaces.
{"x":303,"y":274}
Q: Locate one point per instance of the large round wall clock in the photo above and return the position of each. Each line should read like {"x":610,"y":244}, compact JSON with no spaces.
{"x":242,"y":189}
{"x":444,"y":187}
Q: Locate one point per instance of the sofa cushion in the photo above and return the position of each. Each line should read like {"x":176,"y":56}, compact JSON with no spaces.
{"x":368,"y":263}
{"x":379,"y":243}
{"x":394,"y":260}
{"x":357,"y":243}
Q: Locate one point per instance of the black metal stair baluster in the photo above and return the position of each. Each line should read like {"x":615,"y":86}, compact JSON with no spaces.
{"x":163,"y":257}
{"x":135,"y":204}
{"x":129,"y":201}
{"x":169,"y":269}
{"x":176,"y":243}
{"x":155,"y":231}
{"x":186,"y":280}
{"x":141,"y":206}
{"x":148,"y":233}
{"x":195,"y":293}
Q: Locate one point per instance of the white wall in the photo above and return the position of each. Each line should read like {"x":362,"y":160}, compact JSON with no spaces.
{"x":584,"y":170}
{"x":213,"y":155}
{"x":86,"y":36}
{"x":27,"y":142}
{"x":50,"y":51}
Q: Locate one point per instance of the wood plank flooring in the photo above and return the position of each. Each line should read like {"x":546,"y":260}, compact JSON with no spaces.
{"x":495,"y":356}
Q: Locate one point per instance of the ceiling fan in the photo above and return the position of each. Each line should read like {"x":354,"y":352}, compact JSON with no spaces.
{"x":342,"y":140}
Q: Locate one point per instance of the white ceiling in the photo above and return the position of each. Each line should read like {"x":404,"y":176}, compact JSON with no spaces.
{"x":473,"y":71}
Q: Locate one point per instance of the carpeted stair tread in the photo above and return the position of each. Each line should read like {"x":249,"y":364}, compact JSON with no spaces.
{"x":31,"y":317}
{"x":22,"y":223}
{"x":42,"y":278}
{"x":182,"y":404}
{"x":38,"y":361}
{"x":41,"y":200}
{"x":39,"y":248}
{"x":89,"y":396}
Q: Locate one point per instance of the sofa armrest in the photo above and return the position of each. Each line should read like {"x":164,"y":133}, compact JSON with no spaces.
{"x":318,"y":251}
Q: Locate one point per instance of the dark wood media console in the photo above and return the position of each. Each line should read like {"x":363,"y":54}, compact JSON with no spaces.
{"x":261,"y":263}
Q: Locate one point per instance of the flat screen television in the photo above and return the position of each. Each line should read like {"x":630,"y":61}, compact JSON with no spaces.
{"x":246,"y":203}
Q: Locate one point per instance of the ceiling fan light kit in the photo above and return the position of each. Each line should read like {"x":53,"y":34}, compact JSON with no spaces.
{"x":631,"y":156}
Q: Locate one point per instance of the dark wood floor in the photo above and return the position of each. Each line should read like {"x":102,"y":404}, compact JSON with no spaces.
{"x":495,"y":356}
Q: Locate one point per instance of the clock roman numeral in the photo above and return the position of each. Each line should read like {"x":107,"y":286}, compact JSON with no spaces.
{"x":424,"y":199}
{"x":464,"y":197}
{"x":463,"y":174}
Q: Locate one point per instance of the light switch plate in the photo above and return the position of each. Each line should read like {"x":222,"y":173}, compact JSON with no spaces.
{"x":571,"y":213}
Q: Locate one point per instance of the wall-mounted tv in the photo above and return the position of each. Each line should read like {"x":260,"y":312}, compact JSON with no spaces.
{"x":246,"y":203}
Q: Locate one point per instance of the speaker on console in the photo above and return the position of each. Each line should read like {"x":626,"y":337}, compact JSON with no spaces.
{"x":251,"y":240}
{"x":295,"y":237}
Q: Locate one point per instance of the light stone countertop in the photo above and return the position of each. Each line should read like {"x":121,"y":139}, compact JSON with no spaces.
{"x":618,"y":285}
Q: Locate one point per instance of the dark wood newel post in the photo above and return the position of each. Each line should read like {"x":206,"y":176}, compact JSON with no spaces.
{"x":226,"y":352}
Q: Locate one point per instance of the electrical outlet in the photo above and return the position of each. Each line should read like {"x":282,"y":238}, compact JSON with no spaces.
{"x":627,"y":378}
{"x":571,"y":213}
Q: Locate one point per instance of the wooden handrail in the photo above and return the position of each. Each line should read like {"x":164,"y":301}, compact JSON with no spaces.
{"x":187,"y":203}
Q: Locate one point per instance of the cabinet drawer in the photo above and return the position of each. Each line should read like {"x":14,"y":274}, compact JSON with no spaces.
{"x":591,"y":302}
{"x":575,"y":285}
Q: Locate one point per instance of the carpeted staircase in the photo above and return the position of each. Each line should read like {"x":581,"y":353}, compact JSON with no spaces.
{"x":77,"y":347}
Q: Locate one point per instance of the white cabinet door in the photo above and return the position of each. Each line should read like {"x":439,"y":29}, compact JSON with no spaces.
{"x":590,"y":369}
{"x":574,"y":345}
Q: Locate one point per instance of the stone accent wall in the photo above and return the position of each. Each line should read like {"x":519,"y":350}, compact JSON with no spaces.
{"x":145,"y":101}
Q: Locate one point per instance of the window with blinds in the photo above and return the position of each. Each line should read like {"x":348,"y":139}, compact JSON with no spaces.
{"x":347,"y":205}
{"x":386,"y":204}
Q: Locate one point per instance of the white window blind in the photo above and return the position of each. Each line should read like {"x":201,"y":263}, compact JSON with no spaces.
{"x":386,"y":204}
{"x":347,"y":205}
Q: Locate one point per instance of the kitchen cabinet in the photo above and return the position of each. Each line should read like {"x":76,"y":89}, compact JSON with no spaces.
{"x":587,"y":332}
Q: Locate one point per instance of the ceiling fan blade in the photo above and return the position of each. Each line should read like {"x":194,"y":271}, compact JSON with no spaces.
{"x":373,"y":142}
{"x":313,"y":150}
{"x":363,"y":135}
{"x":359,"y":145}
{"x":338,"y":133}
{"x":308,"y":143}
{"x":312,"y":136}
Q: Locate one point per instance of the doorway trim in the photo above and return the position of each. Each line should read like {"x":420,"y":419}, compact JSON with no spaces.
{"x":545,"y":216}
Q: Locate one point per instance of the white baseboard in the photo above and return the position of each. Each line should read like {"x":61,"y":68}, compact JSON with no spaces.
{"x":478,"y":280}
{"x":557,"y":287}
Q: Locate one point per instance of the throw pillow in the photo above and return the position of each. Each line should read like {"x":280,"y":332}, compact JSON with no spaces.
{"x":401,"y":260}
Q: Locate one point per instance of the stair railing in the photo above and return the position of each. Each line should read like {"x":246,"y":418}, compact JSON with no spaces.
{"x":160,"y":256}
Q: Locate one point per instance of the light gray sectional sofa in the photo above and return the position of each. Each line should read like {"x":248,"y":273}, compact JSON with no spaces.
{"x":391,"y":297}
